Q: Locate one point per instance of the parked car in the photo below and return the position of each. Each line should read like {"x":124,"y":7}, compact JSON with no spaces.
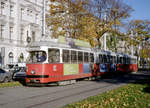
{"x":5,"y":76}
{"x":20,"y":74}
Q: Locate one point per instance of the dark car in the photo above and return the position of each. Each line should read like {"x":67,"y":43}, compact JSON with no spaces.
{"x":5,"y":76}
{"x":20,"y":74}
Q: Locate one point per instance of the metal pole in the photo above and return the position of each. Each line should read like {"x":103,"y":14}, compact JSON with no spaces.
{"x":3,"y":56}
{"x":43,"y":19}
{"x":105,"y":46}
{"x":132,"y":45}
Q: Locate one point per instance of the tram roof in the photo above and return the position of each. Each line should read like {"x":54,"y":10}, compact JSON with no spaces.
{"x":52,"y":44}
{"x":115,"y":54}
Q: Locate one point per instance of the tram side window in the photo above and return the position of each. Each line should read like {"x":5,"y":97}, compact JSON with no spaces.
{"x":114,"y":59}
{"x":80,"y":57}
{"x":86,"y":57}
{"x":53,"y":55}
{"x":118,"y":59}
{"x":66,"y":56}
{"x":133,"y":61}
{"x":121,"y":60}
{"x":111,"y":59}
{"x":128,"y":60}
{"x":124,"y":60}
{"x":73,"y":57}
{"x":100,"y":58}
{"x":105,"y":59}
{"x":91,"y":57}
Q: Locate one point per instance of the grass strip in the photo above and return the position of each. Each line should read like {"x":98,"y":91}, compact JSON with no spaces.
{"x":9,"y":84}
{"x":136,"y":95}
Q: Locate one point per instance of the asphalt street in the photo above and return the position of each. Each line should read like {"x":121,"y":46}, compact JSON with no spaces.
{"x":57,"y":96}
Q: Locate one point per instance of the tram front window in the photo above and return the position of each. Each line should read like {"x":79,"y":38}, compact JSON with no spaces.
{"x":37,"y":56}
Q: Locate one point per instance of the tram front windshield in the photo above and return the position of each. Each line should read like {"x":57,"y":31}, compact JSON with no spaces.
{"x":37,"y":57}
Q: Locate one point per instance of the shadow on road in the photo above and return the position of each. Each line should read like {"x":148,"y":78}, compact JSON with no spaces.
{"x":135,"y":78}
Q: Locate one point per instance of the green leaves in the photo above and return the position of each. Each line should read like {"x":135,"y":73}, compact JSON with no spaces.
{"x":9,"y":84}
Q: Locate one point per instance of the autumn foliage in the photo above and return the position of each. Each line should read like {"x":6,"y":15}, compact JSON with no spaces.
{"x":89,"y":20}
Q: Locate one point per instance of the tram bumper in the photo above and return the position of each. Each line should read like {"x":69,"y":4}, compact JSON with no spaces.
{"x":36,"y":78}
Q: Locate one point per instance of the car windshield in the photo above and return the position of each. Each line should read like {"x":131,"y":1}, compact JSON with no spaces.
{"x":36,"y":57}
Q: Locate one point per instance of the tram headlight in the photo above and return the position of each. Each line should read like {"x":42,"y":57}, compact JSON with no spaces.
{"x":32,"y":72}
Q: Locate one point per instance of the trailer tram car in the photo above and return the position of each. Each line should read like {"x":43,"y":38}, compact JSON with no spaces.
{"x":65,"y":64}
{"x":114,"y":63}
{"x":126,"y":63}
{"x":61,"y":63}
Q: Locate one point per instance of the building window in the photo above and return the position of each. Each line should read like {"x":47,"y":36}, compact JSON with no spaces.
{"x":36,"y":18}
{"x":10,"y":32}
{"x":33,"y":36}
{"x":10,"y":58}
{"x":28,"y":12}
{"x":21,"y":58}
{"x":21,"y":13}
{"x":1,"y":31}
{"x":2,"y":6}
{"x":11,"y":10}
{"x":21,"y":34}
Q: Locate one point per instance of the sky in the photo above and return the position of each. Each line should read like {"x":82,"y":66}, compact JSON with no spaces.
{"x":141,"y":9}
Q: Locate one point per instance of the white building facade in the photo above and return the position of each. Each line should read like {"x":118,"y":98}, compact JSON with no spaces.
{"x":20,"y":24}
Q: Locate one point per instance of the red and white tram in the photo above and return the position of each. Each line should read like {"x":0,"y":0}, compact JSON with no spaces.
{"x":61,"y":63}
{"x":53,"y":62}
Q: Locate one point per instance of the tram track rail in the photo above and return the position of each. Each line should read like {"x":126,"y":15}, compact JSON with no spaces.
{"x":74,"y":94}
{"x":57,"y":94}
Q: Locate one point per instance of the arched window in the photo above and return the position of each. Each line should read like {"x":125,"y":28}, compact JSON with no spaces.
{"x":10,"y":57}
{"x":21,"y":58}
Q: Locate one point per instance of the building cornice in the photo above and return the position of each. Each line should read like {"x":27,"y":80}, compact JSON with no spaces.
{"x":14,"y":43}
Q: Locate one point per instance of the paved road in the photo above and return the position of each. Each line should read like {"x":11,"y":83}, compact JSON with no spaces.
{"x":58,"y":96}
